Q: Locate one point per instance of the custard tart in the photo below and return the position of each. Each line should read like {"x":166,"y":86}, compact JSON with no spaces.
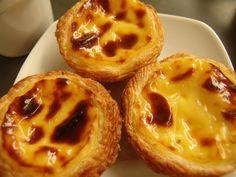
{"x":108,"y":40}
{"x":180,"y":116}
{"x":58,"y":124}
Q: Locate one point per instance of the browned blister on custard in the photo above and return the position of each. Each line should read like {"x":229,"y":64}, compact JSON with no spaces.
{"x":160,"y":111}
{"x":101,"y":16}
{"x":54,"y":124}
{"x":107,"y":39}
{"x":181,"y":116}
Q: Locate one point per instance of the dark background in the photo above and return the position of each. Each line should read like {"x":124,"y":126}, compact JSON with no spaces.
{"x":218,"y":14}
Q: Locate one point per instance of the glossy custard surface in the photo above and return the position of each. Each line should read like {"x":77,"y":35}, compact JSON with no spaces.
{"x":190,"y":110}
{"x":49,"y":126}
{"x":109,"y":31}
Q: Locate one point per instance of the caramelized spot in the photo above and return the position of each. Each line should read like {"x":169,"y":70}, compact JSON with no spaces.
{"x":53,"y":109}
{"x":230,"y":115}
{"x":219,"y":83}
{"x":177,"y":65}
{"x":29,"y":105}
{"x":140,"y":13}
{"x":171,"y":148}
{"x":63,"y":160}
{"x":149,"y":119}
{"x":60,"y":96}
{"x":128,"y":41}
{"x":105,"y":28}
{"x":61,"y":83}
{"x":211,"y":84}
{"x":141,"y":24}
{"x":70,"y":131}
{"x":74,"y":26}
{"x":26,"y":105}
{"x":161,"y":114}
{"x":110,"y":48}
{"x":207,"y":142}
{"x":185,"y":75}
{"x":89,"y":17}
{"x":89,"y":93}
{"x":121,"y":61}
{"x":104,"y":4}
{"x":88,"y":40}
{"x":37,"y":134}
{"x":47,"y":170}
{"x":65,"y":95}
{"x":15,"y":155}
{"x":233,"y":88}
{"x":121,"y":15}
{"x":123,"y":4}
{"x":148,"y":38}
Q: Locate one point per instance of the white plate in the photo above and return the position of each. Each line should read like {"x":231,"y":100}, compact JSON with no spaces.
{"x":181,"y":35}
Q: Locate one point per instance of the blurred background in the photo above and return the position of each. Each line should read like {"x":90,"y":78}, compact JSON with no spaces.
{"x":220,"y":15}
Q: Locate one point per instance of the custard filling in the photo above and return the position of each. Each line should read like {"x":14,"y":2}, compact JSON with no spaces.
{"x":190,"y":110}
{"x":109,"y":31}
{"x":47,"y":127}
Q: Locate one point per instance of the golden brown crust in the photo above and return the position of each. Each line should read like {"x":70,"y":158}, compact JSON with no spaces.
{"x":103,"y":156}
{"x":107,"y":73}
{"x":158,"y":159}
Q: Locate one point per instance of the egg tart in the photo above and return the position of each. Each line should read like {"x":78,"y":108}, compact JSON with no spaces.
{"x":180,"y":116}
{"x":108,"y":40}
{"x":58,"y":124}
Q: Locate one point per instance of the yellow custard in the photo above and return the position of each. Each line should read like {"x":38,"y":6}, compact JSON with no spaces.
{"x":190,"y":110}
{"x":107,"y":30}
{"x":48,"y":127}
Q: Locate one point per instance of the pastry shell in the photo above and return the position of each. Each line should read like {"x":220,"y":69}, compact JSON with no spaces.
{"x":126,"y":37}
{"x":98,"y":143}
{"x":142,"y":136}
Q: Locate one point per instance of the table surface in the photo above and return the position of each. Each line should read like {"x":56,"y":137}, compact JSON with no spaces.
{"x":219,"y":15}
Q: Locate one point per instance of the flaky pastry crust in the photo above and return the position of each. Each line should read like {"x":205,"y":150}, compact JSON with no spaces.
{"x":99,"y":148}
{"x":118,"y":46}
{"x":159,"y":158}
